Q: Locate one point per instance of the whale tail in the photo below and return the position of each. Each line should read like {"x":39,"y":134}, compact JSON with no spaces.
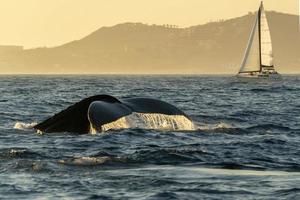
{"x":103,"y":112}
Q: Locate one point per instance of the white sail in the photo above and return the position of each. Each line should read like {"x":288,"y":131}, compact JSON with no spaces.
{"x":251,"y":61}
{"x":258,"y":59}
{"x":266,"y":43}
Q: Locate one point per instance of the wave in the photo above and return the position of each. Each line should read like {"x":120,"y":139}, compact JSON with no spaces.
{"x":22,"y":153}
{"x":200,"y":170}
{"x":288,"y":192}
{"x":269,"y":126}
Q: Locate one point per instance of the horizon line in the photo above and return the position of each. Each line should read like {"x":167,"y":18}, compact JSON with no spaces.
{"x":124,"y":74}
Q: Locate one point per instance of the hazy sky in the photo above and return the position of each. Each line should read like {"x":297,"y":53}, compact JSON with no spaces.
{"x":34,"y":23}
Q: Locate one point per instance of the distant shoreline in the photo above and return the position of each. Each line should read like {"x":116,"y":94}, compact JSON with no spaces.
{"x":170,"y":75}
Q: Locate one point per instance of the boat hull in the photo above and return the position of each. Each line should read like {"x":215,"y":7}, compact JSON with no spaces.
{"x":260,"y":76}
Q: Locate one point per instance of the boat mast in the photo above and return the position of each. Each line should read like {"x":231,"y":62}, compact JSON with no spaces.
{"x":259,"y":33}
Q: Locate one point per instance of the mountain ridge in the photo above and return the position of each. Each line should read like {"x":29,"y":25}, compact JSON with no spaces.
{"x":137,"y":48}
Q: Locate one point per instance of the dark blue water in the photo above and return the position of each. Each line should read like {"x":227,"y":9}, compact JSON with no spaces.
{"x":247,"y":145}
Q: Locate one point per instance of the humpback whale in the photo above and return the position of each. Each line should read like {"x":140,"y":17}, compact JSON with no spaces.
{"x":103,"y":112}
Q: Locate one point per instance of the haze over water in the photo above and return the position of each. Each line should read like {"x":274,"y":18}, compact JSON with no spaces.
{"x":246,"y":145}
{"x":35,"y":23}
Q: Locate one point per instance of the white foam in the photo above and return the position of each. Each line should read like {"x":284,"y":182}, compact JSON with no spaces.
{"x":16,"y":151}
{"x":223,"y":125}
{"x":86,"y":161}
{"x":220,"y":125}
{"x":201,"y":171}
{"x":24,"y":126}
{"x":150,"y":121}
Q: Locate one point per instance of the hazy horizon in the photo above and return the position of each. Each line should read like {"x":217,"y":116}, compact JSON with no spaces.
{"x":77,"y":43}
{"x":35,"y":23}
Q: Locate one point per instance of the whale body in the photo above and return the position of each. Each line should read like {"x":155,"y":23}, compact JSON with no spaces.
{"x":97,"y":111}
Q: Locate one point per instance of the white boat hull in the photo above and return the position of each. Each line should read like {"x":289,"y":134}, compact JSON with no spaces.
{"x":260,"y":76}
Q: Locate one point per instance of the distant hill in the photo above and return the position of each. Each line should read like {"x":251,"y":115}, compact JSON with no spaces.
{"x":216,"y":47}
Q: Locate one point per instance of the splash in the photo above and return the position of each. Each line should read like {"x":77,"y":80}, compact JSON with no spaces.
{"x":150,"y":121}
{"x":85,"y":161}
{"x":90,"y":160}
{"x":223,"y":125}
{"x":168,"y":122}
{"x":220,"y":125}
{"x":15,"y":152}
{"x":24,"y":126}
{"x":119,"y":124}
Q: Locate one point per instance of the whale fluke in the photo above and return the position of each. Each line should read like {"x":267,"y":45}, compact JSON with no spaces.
{"x":96,"y":111}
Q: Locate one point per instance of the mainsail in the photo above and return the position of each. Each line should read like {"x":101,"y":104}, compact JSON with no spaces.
{"x":259,"y":53}
{"x":266,"y":43}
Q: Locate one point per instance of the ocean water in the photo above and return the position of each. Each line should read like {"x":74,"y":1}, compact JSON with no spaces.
{"x":246,"y":145}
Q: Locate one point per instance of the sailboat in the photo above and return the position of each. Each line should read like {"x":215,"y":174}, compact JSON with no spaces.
{"x":258,"y":58}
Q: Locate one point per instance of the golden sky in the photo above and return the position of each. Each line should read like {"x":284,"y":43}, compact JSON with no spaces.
{"x":34,"y":23}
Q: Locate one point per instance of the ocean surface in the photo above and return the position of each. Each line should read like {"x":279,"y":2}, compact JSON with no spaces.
{"x":246,"y":145}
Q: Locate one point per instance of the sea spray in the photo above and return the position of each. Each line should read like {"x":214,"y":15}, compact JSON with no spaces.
{"x":217,"y":126}
{"x":24,"y":126}
{"x":150,"y":121}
